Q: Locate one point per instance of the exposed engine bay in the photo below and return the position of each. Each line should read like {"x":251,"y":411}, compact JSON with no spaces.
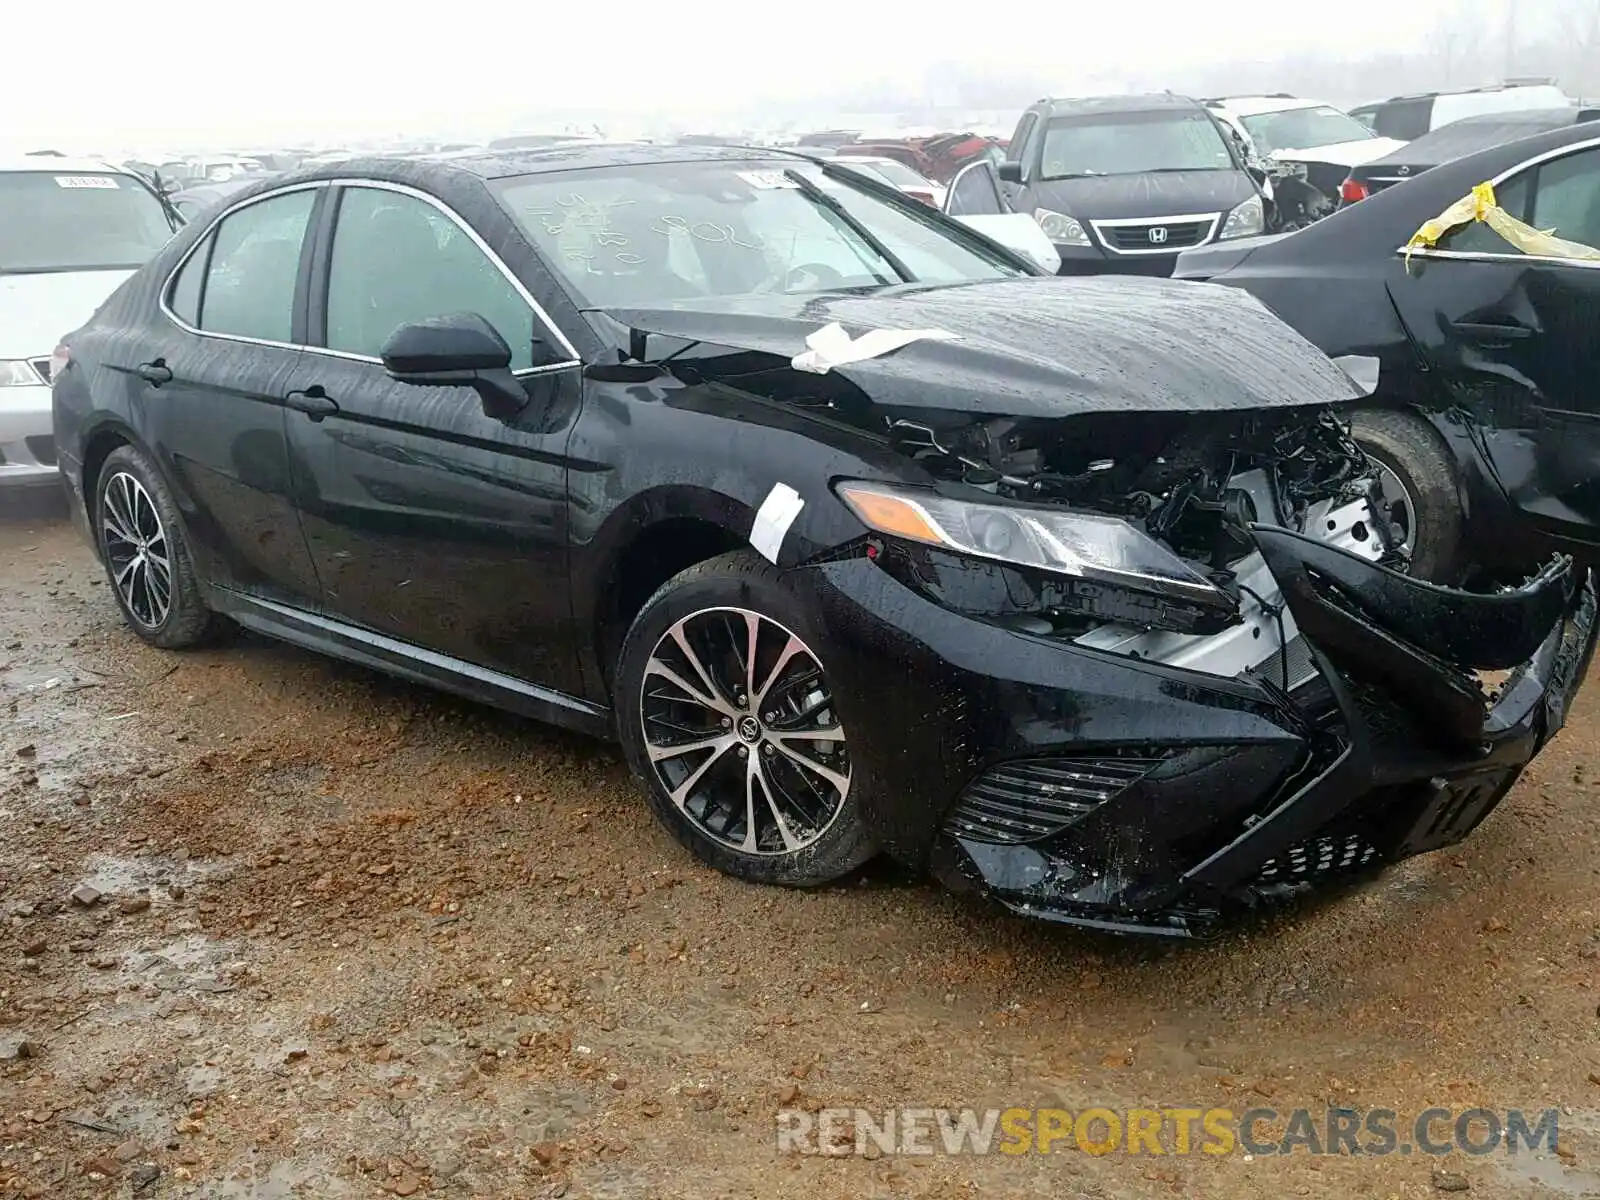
{"x":1196,"y":486}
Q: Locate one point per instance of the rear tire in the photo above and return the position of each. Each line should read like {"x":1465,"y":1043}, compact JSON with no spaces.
{"x":1420,"y":488}
{"x":146,"y":558}
{"x":768,"y":739}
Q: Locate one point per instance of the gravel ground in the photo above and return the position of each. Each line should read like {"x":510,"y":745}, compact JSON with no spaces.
{"x":356,"y":939}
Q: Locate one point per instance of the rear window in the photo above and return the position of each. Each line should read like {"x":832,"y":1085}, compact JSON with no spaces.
{"x":71,"y":221}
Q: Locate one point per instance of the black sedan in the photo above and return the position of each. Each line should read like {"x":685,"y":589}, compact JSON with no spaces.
{"x":1456,"y":140}
{"x":1489,"y":414}
{"x":858,"y":533}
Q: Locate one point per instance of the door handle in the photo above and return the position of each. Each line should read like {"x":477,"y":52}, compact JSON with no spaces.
{"x":154,"y":373}
{"x":1491,"y":331}
{"x":314,"y":402}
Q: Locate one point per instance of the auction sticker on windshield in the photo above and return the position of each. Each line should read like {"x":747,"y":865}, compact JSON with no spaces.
{"x":767,"y":179}
{"x":86,"y":181}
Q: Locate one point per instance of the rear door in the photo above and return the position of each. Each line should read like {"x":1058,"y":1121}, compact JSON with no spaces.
{"x":431,"y":522}
{"x":1513,"y":336}
{"x":212,"y":372}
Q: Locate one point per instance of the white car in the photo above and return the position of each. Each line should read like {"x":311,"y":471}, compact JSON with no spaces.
{"x":897,"y":174}
{"x":71,"y":231}
{"x":1287,"y":130}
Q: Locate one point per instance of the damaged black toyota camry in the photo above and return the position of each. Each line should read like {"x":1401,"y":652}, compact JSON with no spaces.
{"x":859,"y":533}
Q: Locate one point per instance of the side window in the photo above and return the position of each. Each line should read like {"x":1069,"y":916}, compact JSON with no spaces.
{"x":1477,"y":238}
{"x":1018,"y":147}
{"x":398,"y":259}
{"x":184,"y":298}
{"x":975,"y":191}
{"x":1567,"y":202}
{"x":255,"y":259}
{"x":1404,"y":119}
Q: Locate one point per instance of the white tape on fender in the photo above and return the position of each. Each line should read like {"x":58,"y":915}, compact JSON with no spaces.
{"x":773,"y":518}
{"x":831,"y":346}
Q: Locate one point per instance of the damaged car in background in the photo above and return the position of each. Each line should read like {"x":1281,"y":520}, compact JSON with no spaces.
{"x":1484,"y":418}
{"x":858,"y":531}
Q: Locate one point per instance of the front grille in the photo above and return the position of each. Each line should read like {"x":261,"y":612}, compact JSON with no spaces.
{"x":1178,"y":235}
{"x":43,"y":449}
{"x":1317,"y":859}
{"x":1028,"y":799}
{"x":41,"y":365}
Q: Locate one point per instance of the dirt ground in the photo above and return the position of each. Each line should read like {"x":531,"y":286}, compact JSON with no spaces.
{"x":356,"y":939}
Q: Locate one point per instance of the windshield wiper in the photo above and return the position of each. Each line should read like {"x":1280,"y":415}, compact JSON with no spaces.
{"x":816,"y":195}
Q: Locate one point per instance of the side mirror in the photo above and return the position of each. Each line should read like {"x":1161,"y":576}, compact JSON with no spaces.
{"x":458,"y":350}
{"x":1010,"y":172}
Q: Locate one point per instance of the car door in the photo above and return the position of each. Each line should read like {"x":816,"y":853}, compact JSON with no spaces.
{"x":213,"y":372}
{"x":976,"y":197}
{"x":430,"y":521}
{"x":1513,"y":337}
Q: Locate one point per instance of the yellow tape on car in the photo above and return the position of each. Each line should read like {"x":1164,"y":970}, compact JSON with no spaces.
{"x":1480,"y":205}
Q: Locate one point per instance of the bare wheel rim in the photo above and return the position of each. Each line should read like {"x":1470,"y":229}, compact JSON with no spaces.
{"x":741,"y":732}
{"x":1399,"y":507}
{"x":136,"y":548}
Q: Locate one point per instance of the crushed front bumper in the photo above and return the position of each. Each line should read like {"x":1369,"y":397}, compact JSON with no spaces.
{"x":1079,"y":786}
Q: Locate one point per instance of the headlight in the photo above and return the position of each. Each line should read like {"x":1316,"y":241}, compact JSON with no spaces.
{"x":18,"y":373}
{"x":1060,"y":228}
{"x":1082,"y":545}
{"x":1245,"y":221}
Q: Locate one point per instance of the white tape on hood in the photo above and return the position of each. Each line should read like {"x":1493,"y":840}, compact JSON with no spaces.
{"x":831,"y":346}
{"x":773,"y":518}
{"x":1362,"y":369}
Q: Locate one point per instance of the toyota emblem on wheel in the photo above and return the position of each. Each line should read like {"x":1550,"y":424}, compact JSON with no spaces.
{"x":1158,"y":235}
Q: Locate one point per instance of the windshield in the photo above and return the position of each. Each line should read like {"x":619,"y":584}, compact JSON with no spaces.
{"x":1302,"y":128}
{"x":51,"y":222}
{"x":649,"y":235}
{"x":1133,"y":144}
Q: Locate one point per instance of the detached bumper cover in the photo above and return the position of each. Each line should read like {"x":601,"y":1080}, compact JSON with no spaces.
{"x":1078,"y":786}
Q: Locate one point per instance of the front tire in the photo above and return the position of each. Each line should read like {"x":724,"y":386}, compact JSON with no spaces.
{"x":1419,"y":481}
{"x":727,"y":718}
{"x":146,"y":558}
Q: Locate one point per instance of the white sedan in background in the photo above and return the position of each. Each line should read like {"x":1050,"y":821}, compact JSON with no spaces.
{"x":70,"y":232}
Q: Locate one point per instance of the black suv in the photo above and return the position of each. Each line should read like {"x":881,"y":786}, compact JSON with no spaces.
{"x":1125,"y":183}
{"x":856,"y":531}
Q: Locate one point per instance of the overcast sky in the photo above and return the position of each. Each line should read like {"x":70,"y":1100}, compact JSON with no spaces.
{"x":108,"y":73}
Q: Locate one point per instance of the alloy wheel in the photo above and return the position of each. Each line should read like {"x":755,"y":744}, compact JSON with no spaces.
{"x":136,"y":549}
{"x":741,"y":732}
{"x":1399,"y":507}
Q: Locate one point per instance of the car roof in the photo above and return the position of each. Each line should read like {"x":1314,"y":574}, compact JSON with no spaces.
{"x":1146,"y":102}
{"x":509,"y":164}
{"x":1522,"y":86}
{"x":1484,"y":132}
{"x":57,"y":166}
{"x":1254,"y":106}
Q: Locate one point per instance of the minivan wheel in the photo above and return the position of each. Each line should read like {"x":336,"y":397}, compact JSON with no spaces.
{"x":1418,"y":479}
{"x":147,"y":562}
{"x":727,"y":717}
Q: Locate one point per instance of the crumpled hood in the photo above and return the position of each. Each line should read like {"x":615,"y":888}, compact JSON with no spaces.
{"x":1342,"y":154}
{"x":1038,"y":347}
{"x":37,"y":310}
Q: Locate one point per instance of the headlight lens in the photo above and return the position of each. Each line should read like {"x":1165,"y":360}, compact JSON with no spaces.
{"x":18,"y":373}
{"x":1083,"y":545}
{"x":1247,"y":220}
{"x":1060,"y":228}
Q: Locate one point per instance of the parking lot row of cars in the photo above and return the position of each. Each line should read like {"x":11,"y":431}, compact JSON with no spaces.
{"x":1116,"y":598}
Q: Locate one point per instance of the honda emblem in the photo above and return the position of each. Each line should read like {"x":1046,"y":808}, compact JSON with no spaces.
{"x":1158,"y":235}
